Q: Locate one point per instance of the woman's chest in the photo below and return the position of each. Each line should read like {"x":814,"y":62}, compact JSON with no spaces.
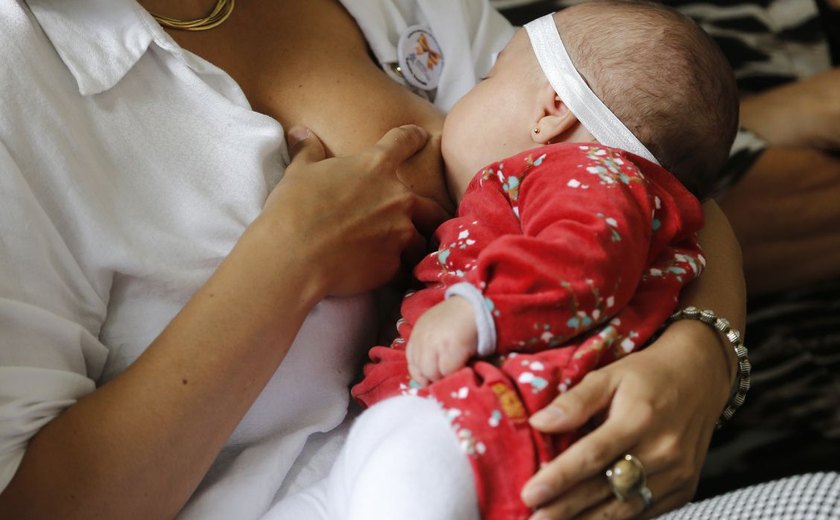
{"x":306,"y":62}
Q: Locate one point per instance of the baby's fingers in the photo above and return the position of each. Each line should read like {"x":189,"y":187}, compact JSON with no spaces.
{"x":413,"y":359}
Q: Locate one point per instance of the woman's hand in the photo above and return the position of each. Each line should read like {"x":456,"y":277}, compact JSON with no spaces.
{"x":350,"y":218}
{"x":804,"y":114}
{"x":661,"y":405}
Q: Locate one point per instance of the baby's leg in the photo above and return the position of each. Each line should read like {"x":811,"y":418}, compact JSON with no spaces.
{"x":401,"y":460}
{"x":416,"y":471}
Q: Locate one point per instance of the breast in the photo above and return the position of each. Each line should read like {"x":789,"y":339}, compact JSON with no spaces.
{"x":306,"y":62}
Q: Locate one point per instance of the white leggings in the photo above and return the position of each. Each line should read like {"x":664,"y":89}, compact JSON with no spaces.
{"x":401,"y":461}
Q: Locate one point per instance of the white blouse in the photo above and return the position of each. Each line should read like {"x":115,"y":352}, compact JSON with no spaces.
{"x":129,"y":167}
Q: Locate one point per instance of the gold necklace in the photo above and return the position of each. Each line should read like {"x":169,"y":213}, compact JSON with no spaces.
{"x":216,"y":18}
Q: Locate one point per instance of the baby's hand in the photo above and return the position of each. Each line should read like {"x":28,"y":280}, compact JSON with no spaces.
{"x":442,"y":341}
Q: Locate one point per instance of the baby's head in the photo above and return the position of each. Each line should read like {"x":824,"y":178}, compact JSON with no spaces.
{"x":660,"y":74}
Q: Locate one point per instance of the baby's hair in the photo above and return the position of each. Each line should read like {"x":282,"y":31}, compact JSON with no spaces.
{"x":663,"y":77}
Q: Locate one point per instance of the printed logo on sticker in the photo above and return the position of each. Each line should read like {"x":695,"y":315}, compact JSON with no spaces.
{"x":420,"y":57}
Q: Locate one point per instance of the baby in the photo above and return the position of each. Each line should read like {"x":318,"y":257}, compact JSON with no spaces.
{"x":613,"y":119}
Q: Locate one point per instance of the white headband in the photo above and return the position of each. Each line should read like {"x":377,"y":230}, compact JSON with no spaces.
{"x":575,"y":93}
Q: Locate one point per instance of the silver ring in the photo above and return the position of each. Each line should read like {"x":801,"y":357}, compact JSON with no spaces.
{"x":627,"y":478}
{"x":647,"y":497}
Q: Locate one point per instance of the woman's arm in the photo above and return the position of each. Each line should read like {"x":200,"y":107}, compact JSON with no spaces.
{"x":138,"y":446}
{"x":784,"y":210}
{"x":785,"y":214}
{"x":802,"y":114}
{"x":661,"y":403}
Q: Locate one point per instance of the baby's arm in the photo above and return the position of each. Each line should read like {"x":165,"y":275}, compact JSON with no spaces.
{"x":587,"y":226}
{"x":584,"y":247}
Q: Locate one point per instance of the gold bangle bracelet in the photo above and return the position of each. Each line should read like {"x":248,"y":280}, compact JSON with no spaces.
{"x":742,"y":384}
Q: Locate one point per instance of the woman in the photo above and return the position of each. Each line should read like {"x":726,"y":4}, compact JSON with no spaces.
{"x":137,"y":166}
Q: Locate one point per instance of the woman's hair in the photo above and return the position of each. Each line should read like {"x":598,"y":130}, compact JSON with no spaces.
{"x":663,"y":77}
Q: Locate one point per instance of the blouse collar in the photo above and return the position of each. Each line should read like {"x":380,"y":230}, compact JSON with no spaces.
{"x":99,"y":40}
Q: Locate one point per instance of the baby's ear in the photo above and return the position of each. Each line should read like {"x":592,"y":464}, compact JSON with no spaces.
{"x":557,"y":122}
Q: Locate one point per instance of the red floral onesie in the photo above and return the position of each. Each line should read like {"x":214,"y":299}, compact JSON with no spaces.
{"x":579,"y":252}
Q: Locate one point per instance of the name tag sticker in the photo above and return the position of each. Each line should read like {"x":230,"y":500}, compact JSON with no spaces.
{"x":420,"y":58}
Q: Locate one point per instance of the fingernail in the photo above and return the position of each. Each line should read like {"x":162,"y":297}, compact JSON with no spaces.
{"x":535,"y":494}
{"x":547,"y":417}
{"x":419,"y":128}
{"x":297,"y":134}
{"x":539,"y":515}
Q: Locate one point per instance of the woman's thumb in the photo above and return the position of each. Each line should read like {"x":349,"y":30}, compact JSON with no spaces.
{"x":304,"y":146}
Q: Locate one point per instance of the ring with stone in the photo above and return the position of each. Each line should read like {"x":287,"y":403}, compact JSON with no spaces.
{"x":627,"y":479}
{"x":647,"y":497}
